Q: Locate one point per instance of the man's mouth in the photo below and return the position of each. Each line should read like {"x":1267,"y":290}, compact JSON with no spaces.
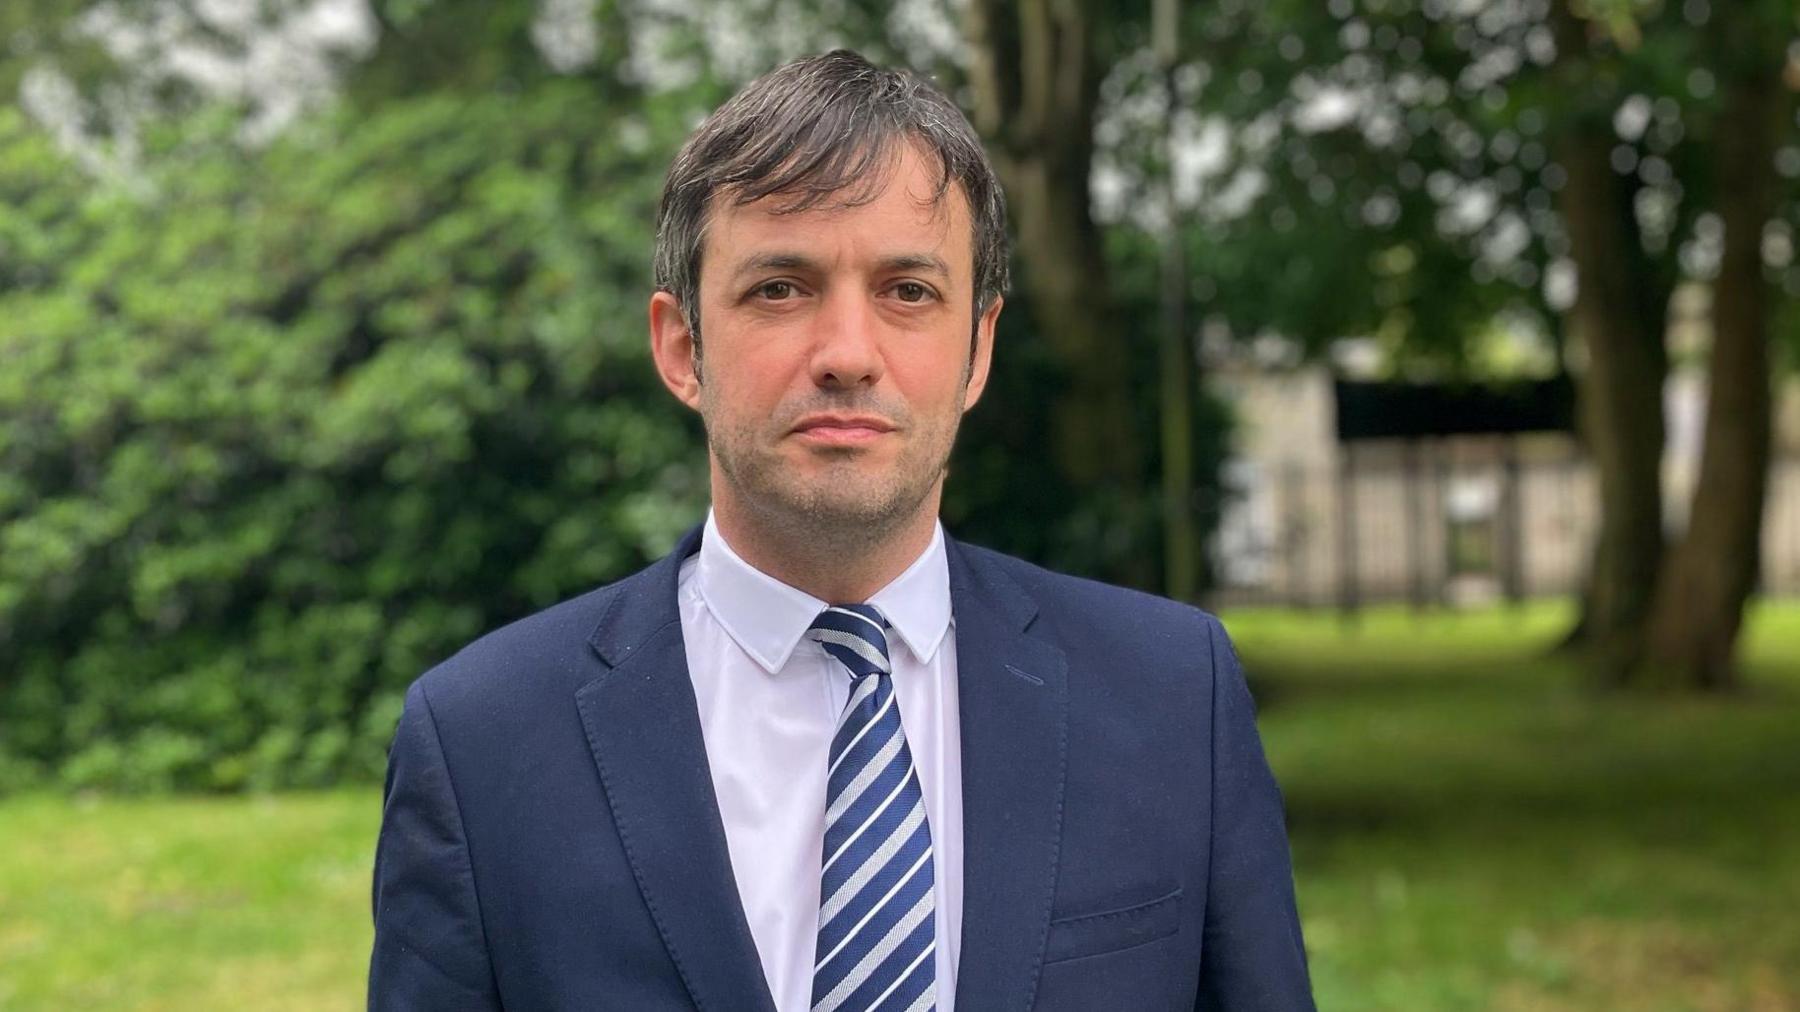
{"x":842,"y":430}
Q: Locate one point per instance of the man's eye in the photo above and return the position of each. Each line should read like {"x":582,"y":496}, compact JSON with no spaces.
{"x":775,"y":291}
{"x":911,"y":291}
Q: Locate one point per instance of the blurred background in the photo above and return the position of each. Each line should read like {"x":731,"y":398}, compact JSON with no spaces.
{"x":1445,"y":347}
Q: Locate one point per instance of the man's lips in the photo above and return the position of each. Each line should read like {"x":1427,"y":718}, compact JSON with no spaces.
{"x":842,"y":430}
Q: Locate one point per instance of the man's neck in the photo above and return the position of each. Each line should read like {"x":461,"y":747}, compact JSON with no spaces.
{"x":818,"y":565}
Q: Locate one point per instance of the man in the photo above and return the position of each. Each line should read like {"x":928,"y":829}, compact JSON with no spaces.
{"x":823,"y":756}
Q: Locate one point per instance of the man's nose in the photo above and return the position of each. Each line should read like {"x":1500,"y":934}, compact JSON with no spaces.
{"x":846,"y":350}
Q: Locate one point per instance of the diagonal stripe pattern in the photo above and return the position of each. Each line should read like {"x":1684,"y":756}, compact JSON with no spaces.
{"x":877,"y":922}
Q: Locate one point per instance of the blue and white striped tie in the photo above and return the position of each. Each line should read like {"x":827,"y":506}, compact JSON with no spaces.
{"x":877,"y":925}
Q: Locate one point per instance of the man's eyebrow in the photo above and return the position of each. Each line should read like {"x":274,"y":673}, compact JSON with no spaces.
{"x":786,"y":261}
{"x":777,"y":261}
{"x":929,"y":262}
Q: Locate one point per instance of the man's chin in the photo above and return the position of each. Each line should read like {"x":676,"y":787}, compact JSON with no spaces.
{"x":840,"y":509}
{"x":850,"y":503}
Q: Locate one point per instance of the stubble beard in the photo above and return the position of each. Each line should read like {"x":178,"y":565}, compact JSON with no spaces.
{"x":839,"y":508}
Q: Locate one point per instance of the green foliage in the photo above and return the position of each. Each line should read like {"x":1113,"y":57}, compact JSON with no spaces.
{"x":279,"y":429}
{"x":1390,"y":167}
{"x":1002,"y":493}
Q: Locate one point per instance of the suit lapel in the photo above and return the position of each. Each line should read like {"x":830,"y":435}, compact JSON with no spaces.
{"x":643,"y":726}
{"x":1014,"y":700}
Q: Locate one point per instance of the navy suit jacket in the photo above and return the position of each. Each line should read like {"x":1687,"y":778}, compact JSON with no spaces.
{"x":550,"y":837}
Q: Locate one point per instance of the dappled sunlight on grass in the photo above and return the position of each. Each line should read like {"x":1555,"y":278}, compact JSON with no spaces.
{"x":1474,"y":828}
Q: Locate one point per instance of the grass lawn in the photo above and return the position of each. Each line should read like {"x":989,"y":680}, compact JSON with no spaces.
{"x":186,"y":903}
{"x":1471,"y":831}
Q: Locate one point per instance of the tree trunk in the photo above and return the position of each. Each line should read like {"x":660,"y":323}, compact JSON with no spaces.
{"x":1181,"y":532}
{"x":1033,"y":76}
{"x":1707,"y":579}
{"x":1620,"y":402}
{"x":1620,"y":314}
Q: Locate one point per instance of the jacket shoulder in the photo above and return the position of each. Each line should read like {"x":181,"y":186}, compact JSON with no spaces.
{"x":1076,"y":603}
{"x":545,"y":650}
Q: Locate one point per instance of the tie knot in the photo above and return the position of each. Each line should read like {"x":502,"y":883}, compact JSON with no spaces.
{"x":855,"y":634}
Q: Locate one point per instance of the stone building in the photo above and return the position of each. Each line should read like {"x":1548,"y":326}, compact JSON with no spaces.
{"x":1325,"y":506}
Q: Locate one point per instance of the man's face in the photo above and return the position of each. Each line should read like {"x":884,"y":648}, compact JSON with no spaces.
{"x":836,"y":357}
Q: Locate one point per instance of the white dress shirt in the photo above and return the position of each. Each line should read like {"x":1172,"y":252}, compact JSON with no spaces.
{"x":769,"y":705}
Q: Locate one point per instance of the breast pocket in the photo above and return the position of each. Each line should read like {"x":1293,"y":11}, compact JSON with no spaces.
{"x":1112,"y":930}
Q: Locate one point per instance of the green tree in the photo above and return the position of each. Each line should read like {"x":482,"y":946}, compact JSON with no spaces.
{"x":282,"y":427}
{"x":1417,"y":167}
{"x":1691,"y":636}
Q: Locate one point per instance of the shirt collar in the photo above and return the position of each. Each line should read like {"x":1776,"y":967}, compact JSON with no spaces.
{"x":768,"y":618}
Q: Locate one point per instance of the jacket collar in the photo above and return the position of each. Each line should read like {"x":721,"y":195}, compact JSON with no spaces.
{"x":1012,"y":681}
{"x":643,"y":727}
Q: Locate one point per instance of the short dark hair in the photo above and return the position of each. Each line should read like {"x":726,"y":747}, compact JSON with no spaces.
{"x":812,"y":128}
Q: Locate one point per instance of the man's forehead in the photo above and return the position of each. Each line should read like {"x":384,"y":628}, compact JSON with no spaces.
{"x":916,"y":220}
{"x":843,"y":179}
{"x":774,"y":215}
{"x":918,"y":195}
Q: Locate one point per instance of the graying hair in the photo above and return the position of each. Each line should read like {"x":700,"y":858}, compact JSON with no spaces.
{"x":817,"y":129}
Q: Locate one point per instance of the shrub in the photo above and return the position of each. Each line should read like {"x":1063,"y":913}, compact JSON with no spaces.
{"x":281,"y":428}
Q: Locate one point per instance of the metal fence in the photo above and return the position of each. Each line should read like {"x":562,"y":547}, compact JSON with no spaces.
{"x":1441,"y":522}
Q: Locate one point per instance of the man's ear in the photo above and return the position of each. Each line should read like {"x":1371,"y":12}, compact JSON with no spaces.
{"x":982,"y":355}
{"x":673,"y":347}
